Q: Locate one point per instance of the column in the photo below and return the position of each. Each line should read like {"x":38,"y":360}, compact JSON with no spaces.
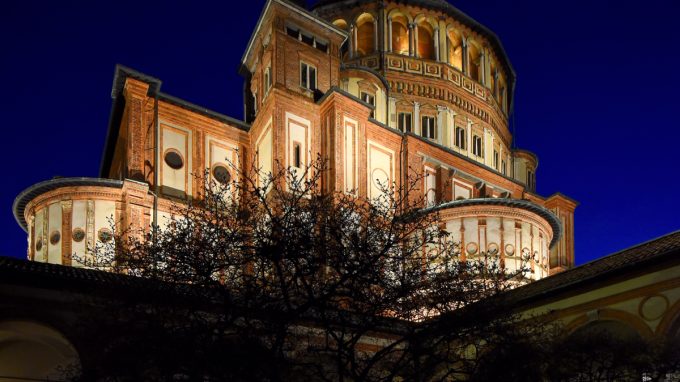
{"x":351,"y":41}
{"x":469,"y":137}
{"x":436,"y":43}
{"x":452,"y":130}
{"x":355,"y":32}
{"x":375,"y":36}
{"x":442,"y":124}
{"x":66,"y":222}
{"x":392,"y":122}
{"x":388,"y":43}
{"x":416,"y":118}
{"x":465,"y":55}
{"x":415,"y":41}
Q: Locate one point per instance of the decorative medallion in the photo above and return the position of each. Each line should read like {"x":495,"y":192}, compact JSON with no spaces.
{"x":55,"y":236}
{"x":653,"y":307}
{"x":105,"y":235}
{"x":492,"y":248}
{"x":472,"y":248}
{"x":510,"y":249}
{"x":78,"y":235}
{"x":380,"y":178}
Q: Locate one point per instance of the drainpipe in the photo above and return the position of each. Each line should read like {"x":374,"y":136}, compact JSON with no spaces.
{"x":156,"y":153}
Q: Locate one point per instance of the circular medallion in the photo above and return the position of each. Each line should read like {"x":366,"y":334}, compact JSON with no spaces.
{"x":105,"y":235}
{"x":509,"y":249}
{"x":472,"y":248}
{"x":55,"y":236}
{"x":653,"y":307}
{"x":173,"y":159}
{"x":78,"y":235}
{"x":492,"y":248}
{"x":380,"y":178}
{"x":221,"y":174}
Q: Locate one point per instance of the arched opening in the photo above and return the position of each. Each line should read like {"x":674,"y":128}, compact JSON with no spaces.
{"x":30,"y":351}
{"x":400,"y":35}
{"x":425,"y":43}
{"x":366,"y":36}
{"x":474,"y":61}
{"x":492,"y":83}
{"x":454,"y":44}
{"x":502,"y":96}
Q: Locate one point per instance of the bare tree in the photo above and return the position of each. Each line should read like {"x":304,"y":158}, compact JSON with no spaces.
{"x":267,"y":277}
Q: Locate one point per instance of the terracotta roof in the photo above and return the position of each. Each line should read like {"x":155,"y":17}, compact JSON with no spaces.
{"x":634,"y":258}
{"x":37,"y":189}
{"x":512,"y":203}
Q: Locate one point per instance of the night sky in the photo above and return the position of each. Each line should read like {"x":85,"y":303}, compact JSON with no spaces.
{"x":597,"y":95}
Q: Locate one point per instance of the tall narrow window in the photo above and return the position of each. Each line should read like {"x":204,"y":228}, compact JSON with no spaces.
{"x":307,"y":76}
{"x":460,"y":138}
{"x":428,"y":129}
{"x":477,"y":146}
{"x":495,"y":159}
{"x":504,"y":167}
{"x":405,"y":122}
{"x":531,"y":185}
{"x":267,"y":80}
{"x":369,"y":99}
{"x":297,"y":159}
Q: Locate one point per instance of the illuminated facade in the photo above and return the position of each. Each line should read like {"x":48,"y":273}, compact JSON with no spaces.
{"x":385,"y":90}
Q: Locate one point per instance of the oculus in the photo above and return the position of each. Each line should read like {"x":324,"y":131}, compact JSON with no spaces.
{"x":472,"y":248}
{"x":221,"y":174}
{"x":492,"y":248}
{"x":55,"y":236}
{"x":78,"y":235}
{"x":105,"y":235}
{"x":173,"y":159}
{"x":510,"y":249}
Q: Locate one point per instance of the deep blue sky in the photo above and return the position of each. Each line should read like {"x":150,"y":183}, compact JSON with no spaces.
{"x":597,"y":96}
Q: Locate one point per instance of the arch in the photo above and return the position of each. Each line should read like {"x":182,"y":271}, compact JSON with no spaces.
{"x":399,"y":33}
{"x":341,"y":23}
{"x":454,"y":47}
{"x":366,"y":34}
{"x":670,"y":323}
{"x":474,"y":60}
{"x":624,"y":318}
{"x":425,"y":29}
{"x":31,"y":350}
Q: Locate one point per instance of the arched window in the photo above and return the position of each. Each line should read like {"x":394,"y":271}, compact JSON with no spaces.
{"x":460,"y":138}
{"x":425,"y":44}
{"x":454,"y":44}
{"x":400,"y":35}
{"x":474,"y":62}
{"x":493,"y":82}
{"x":366,"y":36}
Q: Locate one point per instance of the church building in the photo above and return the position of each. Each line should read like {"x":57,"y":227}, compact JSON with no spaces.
{"x":385,"y":91}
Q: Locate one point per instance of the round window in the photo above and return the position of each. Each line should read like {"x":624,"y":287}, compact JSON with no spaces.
{"x":38,"y":245}
{"x":174,"y":159}
{"x":78,"y":235}
{"x":221,"y":174}
{"x":55,"y":236}
{"x":105,"y":235}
